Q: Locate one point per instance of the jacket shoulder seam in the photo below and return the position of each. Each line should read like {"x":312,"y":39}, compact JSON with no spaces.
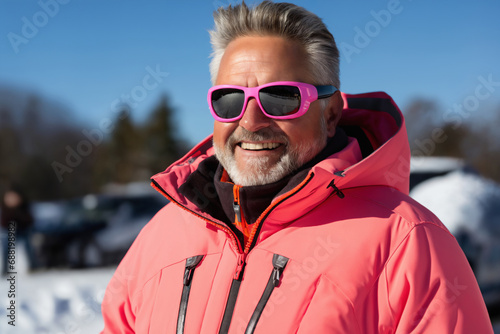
{"x":384,"y":269}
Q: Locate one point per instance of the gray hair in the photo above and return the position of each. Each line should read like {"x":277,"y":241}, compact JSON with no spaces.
{"x":277,"y":19}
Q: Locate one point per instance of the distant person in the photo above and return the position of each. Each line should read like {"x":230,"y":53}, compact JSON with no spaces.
{"x":16,"y":218}
{"x":294,"y":217}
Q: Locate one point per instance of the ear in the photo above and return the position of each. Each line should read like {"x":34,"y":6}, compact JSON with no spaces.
{"x":333,"y":112}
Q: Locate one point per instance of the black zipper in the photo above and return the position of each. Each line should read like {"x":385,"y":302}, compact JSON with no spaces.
{"x":231,"y":301}
{"x":191,"y":264}
{"x":235,"y":285}
{"x":279,"y":263}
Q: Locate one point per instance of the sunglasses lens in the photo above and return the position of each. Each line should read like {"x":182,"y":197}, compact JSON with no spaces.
{"x":228,"y":102}
{"x":280,"y":100}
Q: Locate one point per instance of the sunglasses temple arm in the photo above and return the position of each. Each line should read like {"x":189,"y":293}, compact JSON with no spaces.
{"x":325,"y":91}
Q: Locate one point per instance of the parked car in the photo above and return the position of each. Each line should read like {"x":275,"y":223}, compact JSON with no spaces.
{"x":57,"y":225}
{"x":128,"y":215}
{"x":67,"y":233}
{"x":424,"y":168}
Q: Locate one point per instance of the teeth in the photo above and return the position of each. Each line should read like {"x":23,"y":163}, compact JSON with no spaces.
{"x":259,"y":146}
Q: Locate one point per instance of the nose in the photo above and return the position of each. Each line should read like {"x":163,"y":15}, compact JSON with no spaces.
{"x":254,"y":119}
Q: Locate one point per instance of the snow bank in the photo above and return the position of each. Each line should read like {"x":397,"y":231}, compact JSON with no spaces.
{"x":460,"y":200}
{"x":59,"y":301}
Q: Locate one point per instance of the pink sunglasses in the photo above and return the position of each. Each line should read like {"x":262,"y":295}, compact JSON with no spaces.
{"x":278,"y":100}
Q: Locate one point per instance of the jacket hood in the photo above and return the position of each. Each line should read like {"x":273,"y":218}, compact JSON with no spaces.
{"x":376,"y":122}
{"x":383,"y":126}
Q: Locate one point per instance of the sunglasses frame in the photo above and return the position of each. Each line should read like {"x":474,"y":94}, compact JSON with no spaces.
{"x":308,"y":94}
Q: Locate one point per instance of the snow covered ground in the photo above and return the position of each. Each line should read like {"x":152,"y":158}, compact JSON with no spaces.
{"x":54,"y":301}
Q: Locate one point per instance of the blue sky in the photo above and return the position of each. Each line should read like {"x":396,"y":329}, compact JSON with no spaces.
{"x":89,"y":54}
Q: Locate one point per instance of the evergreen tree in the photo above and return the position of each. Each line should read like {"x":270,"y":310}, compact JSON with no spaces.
{"x":10,"y":149}
{"x":124,"y":158}
{"x":160,"y":137}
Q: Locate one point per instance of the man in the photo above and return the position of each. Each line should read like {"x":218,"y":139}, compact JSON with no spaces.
{"x":296,"y":219}
{"x":16,"y":222}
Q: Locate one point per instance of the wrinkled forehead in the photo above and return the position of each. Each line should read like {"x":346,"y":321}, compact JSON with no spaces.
{"x":256,"y":60}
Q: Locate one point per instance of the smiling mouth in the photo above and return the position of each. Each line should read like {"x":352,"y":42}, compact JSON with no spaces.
{"x":259,"y":146}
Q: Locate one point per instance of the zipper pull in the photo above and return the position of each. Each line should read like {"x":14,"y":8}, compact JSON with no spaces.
{"x":191,"y":264}
{"x":236,"y":203}
{"x":239,"y":266}
{"x":276,"y":276}
{"x":279,"y":263}
{"x":237,"y":212}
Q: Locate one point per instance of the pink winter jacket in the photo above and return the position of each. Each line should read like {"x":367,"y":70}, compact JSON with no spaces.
{"x":345,"y":251}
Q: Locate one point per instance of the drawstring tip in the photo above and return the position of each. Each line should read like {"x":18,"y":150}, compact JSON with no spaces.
{"x":336,"y":190}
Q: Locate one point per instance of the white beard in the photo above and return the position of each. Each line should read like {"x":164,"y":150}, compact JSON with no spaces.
{"x":259,"y":171}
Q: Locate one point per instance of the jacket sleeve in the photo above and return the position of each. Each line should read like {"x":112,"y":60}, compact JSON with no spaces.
{"x":431,"y":287}
{"x":116,"y":307}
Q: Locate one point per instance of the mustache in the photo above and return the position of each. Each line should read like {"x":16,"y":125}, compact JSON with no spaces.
{"x":264,"y":134}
